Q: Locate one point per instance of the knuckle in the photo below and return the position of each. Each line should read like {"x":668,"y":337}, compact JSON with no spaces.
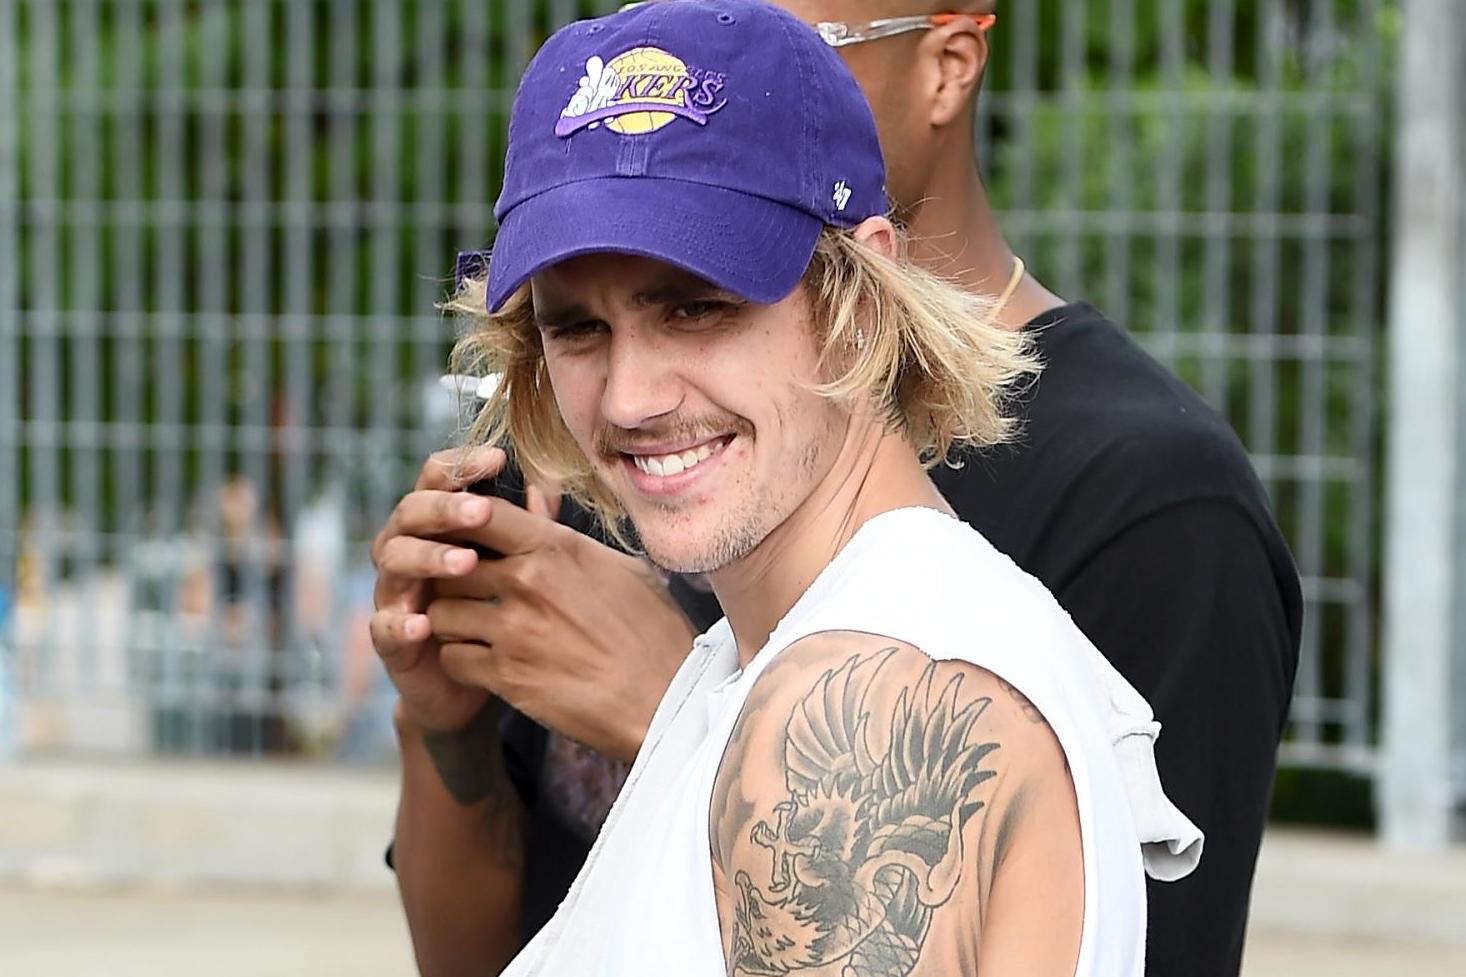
{"x":390,"y":555}
{"x":380,"y":627}
{"x":511,"y":620}
{"x":528,"y":574}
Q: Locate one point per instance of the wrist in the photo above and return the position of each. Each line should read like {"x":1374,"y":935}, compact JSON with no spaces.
{"x":633,"y":734}
{"x":409,"y":722}
{"x":467,"y":760}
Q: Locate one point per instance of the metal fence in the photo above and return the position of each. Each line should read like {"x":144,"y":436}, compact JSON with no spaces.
{"x":223,"y":226}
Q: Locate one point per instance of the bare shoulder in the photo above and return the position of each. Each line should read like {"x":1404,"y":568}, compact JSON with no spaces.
{"x":864,"y":803}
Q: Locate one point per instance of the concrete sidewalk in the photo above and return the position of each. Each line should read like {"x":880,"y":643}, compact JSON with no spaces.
{"x":51,"y":932}
{"x":253,"y":868}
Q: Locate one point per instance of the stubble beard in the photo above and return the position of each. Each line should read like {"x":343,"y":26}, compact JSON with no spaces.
{"x":745,"y":528}
{"x":738,"y":536}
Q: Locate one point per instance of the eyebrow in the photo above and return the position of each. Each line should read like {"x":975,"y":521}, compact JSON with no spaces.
{"x":670,"y":291}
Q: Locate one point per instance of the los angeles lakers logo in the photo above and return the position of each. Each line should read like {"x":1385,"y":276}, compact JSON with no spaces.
{"x":641,"y":91}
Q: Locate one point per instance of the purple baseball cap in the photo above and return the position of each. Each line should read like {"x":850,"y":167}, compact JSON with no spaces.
{"x":719,"y":136}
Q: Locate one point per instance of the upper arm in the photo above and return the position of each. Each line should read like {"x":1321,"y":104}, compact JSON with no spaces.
{"x":883,"y":814}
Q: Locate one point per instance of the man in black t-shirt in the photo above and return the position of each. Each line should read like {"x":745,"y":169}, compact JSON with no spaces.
{"x":1127,"y":495}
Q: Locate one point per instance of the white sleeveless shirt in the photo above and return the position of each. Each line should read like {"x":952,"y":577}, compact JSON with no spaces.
{"x":643,"y":903}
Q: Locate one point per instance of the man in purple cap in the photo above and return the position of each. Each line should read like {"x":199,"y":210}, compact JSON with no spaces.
{"x":1126,"y":495}
{"x":707,"y":333}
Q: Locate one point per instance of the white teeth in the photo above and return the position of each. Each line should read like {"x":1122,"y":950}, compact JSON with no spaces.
{"x":665,"y":465}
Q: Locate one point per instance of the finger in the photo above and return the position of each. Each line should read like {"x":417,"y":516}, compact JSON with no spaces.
{"x":512,"y":578}
{"x":470,"y":663}
{"x":456,"y":468}
{"x":488,"y":588}
{"x":512,"y":530}
{"x":429,"y":512}
{"x":398,"y":637}
{"x":411,"y":558}
{"x":455,"y":619}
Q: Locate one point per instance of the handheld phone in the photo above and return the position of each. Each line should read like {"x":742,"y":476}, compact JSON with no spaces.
{"x":507,"y":485}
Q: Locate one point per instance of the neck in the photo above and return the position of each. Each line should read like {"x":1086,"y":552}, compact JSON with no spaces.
{"x":874,"y":474}
{"x":955,"y":234}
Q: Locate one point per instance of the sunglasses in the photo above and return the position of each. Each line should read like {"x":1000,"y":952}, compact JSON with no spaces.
{"x":838,"y":34}
{"x":841,"y":34}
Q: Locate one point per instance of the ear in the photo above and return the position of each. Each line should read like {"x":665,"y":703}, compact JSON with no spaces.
{"x":961,"y":53}
{"x":879,"y":234}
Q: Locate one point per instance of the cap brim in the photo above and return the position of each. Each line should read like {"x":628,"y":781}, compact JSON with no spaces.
{"x":753,"y":247}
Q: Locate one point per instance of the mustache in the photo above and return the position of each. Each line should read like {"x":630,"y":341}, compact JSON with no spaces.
{"x":611,"y":442}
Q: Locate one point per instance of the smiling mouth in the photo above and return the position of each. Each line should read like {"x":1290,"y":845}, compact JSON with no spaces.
{"x":665,"y":465}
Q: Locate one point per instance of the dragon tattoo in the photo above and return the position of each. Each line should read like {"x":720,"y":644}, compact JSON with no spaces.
{"x":866,"y":847}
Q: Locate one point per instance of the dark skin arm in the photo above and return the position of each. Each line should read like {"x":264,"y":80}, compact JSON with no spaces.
{"x":546,"y":628}
{"x":458,"y":846}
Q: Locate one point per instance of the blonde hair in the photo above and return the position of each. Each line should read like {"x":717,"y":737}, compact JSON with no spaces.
{"x":924,"y":351}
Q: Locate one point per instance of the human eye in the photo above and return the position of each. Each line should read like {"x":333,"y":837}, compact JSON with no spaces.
{"x":574,"y":332}
{"x":700,"y":310}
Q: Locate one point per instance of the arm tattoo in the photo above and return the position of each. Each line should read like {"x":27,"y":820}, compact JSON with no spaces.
{"x":470,"y":763}
{"x":867,"y":844}
{"x":1030,"y":711}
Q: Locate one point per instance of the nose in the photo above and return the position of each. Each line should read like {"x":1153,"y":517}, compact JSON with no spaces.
{"x":642,"y":382}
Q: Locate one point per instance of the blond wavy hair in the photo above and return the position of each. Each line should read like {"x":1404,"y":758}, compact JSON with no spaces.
{"x":926,"y":353}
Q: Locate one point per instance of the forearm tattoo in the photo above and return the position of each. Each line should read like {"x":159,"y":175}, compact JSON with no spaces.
{"x":868,"y":843}
{"x":470,"y":763}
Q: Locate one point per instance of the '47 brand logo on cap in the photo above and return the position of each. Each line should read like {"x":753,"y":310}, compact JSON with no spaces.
{"x":641,"y":91}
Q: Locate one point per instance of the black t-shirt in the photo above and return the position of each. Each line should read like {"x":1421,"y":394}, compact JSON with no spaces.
{"x":1135,"y":504}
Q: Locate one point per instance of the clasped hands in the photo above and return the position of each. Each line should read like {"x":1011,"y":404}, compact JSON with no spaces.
{"x":578,"y":636}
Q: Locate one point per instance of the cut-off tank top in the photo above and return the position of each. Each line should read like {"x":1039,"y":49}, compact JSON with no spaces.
{"x":643,"y":904}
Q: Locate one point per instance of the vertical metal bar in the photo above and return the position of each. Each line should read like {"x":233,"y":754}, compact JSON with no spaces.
{"x":385,"y":302}
{"x":1075,"y":120}
{"x":201,"y":694}
{"x":10,"y":407}
{"x":428,"y":257}
{"x":1359,"y":626}
{"x":1122,"y":130}
{"x":343,"y":298}
{"x":1216,"y":317}
{"x":342,"y":387}
{"x":299,"y":273}
{"x":167,"y":381}
{"x":1308,"y":546}
{"x":1263,"y":307}
{"x":473,"y":178}
{"x":561,"y":12}
{"x":84,"y":280}
{"x":1425,"y":559}
{"x":43,"y":371}
{"x":518,"y":39}
{"x":257,"y":304}
{"x":160,"y":434}
{"x":125,"y":407}
{"x":1169,"y":196}
{"x":127,"y":272}
{"x":1022,"y":98}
